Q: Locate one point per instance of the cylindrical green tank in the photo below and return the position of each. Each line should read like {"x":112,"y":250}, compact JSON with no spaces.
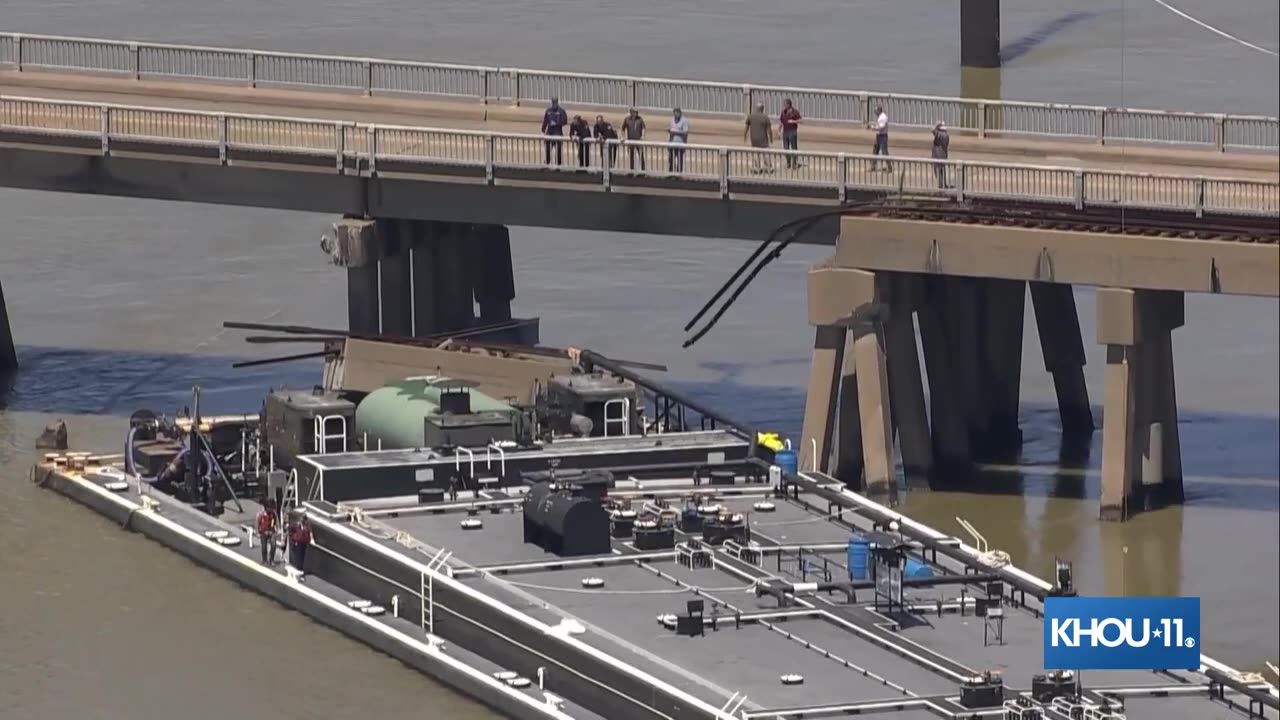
{"x":394,"y":414}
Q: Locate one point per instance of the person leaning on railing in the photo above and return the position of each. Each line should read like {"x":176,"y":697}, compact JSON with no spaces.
{"x":580,"y":134}
{"x":604,"y":133}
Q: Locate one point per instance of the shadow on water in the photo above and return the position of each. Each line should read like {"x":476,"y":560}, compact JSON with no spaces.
{"x":1025,"y":44}
{"x":74,"y":381}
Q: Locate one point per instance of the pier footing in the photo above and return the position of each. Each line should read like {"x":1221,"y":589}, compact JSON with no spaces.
{"x":413,"y":278}
{"x":1141,"y":453}
{"x":980,"y":33}
{"x":8,"y":355}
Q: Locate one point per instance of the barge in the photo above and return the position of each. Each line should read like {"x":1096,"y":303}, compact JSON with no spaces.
{"x":560,"y":537}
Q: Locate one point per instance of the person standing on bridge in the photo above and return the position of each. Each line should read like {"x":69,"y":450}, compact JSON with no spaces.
{"x":789,"y":121}
{"x":881,"y":146}
{"x":633,"y":130}
{"x":604,"y":133}
{"x":678,"y":137}
{"x":759,"y":130}
{"x":553,"y":122}
{"x":941,"y":148}
{"x":580,"y":133}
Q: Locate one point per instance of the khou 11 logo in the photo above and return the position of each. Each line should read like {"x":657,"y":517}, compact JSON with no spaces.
{"x":1135,"y":633}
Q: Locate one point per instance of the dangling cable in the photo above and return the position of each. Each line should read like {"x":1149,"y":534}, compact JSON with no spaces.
{"x":802,"y":225}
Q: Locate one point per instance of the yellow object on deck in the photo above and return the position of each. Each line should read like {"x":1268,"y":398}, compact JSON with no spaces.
{"x":770,"y":440}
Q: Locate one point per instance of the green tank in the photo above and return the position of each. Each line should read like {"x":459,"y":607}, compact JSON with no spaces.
{"x":395,"y":414}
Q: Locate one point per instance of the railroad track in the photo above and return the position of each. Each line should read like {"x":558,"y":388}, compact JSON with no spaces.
{"x":1148,"y":223}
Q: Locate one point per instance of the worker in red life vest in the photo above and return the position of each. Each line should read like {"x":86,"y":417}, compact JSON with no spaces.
{"x":299,"y":540}
{"x":267,"y":533}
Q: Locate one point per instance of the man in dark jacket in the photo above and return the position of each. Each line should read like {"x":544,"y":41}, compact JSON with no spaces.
{"x":604,"y":132}
{"x":941,"y":148}
{"x":580,"y":134}
{"x":633,"y":129}
{"x":553,"y":122}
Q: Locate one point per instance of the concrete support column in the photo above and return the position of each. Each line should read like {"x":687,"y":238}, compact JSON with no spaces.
{"x":455,"y":306}
{"x":1059,"y":326}
{"x":980,"y":33}
{"x":847,"y":451}
{"x":395,"y":283}
{"x":354,"y":245}
{"x":874,"y":409}
{"x":8,"y":355}
{"x":1003,"y":306}
{"x":906,"y":382}
{"x":492,"y":274}
{"x":961,"y":308}
{"x":948,"y":427}
{"x":1141,"y":459}
{"x":423,"y":277}
{"x":820,"y":400}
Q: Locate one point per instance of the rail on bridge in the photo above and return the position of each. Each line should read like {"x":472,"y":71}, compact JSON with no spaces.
{"x":373,"y":76}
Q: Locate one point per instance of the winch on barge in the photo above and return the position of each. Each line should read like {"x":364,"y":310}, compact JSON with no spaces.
{"x":560,"y":537}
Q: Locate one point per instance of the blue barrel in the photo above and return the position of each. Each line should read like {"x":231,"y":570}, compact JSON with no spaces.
{"x":916,"y":569}
{"x":787,"y":460}
{"x":859,"y":551}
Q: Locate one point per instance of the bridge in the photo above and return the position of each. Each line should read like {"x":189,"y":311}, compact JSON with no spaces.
{"x":429,"y":163}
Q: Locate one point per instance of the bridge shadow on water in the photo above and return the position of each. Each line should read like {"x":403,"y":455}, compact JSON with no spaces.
{"x":1044,"y":32}
{"x":1229,"y":460}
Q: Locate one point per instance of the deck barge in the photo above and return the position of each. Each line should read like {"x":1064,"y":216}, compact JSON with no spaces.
{"x":668,"y":570}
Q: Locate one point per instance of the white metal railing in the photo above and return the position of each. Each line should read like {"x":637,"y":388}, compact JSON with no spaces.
{"x":371,"y":76}
{"x":349,"y":147}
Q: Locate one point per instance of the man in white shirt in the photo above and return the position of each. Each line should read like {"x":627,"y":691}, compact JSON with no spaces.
{"x":882,"y":138}
{"x":677,"y":134}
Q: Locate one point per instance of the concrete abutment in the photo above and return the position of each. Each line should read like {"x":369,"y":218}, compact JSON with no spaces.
{"x":416,"y":278}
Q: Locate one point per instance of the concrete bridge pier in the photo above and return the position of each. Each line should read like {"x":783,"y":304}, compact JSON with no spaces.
{"x":1141,"y":454}
{"x":8,"y":355}
{"x":421,"y":278}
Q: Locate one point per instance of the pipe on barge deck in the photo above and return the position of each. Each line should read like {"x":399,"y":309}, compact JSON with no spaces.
{"x":963,"y":553}
{"x":415,"y":653}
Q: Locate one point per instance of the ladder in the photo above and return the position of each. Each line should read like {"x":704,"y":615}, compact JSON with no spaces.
{"x":621,"y":418}
{"x":427,"y":590}
{"x":323,"y":435}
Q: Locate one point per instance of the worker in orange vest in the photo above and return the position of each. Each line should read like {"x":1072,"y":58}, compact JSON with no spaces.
{"x":299,"y":541}
{"x":267,"y":533}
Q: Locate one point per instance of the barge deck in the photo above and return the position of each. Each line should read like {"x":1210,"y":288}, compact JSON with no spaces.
{"x":630,"y":567}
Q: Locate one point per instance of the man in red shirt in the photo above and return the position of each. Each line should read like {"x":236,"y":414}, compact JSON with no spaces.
{"x":789,"y":121}
{"x":267,"y":533}
{"x":299,"y":541}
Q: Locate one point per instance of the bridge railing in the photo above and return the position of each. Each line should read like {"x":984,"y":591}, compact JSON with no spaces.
{"x":373,"y":76}
{"x":350,"y":147}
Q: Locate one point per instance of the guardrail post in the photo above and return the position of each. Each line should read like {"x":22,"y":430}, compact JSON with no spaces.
{"x":223,"y":133}
{"x":136,"y":54}
{"x":1220,"y":133}
{"x":982,"y":119}
{"x":515,"y":88}
{"x":371,"y":138}
{"x":746,"y":99}
{"x":340,"y":147}
{"x":17,"y":51}
{"x":605,"y":147}
{"x":484,"y":87}
{"x":843,"y":177}
{"x":1102,"y":126}
{"x":252,"y":63}
{"x":490,"y":155}
{"x":631,"y":93}
{"x":106,"y":130}
{"x":1200,"y":193}
{"x":368,"y":78}
{"x":1079,"y":193}
{"x":962,"y":180}
{"x":724,"y":172}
